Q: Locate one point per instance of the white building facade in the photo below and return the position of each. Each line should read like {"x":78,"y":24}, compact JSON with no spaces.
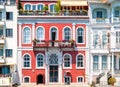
{"x":8,"y":41}
{"x":105,"y":38}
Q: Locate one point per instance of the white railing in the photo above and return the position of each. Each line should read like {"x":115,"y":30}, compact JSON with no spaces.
{"x":100,"y":20}
{"x":117,"y":71}
{"x":2,"y":59}
{"x":116,"y":19}
{"x":5,"y":81}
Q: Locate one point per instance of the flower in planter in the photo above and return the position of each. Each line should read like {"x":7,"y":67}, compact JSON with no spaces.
{"x":111,"y":80}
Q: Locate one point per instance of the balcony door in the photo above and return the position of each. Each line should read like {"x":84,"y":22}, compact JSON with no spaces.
{"x":53,"y":35}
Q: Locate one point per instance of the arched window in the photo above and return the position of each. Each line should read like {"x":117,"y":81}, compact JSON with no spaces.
{"x":95,"y":62}
{"x":26,"y":79}
{"x":40,"y":7}
{"x":26,"y":61}
{"x":67,"y":34}
{"x":40,"y":33}
{"x":26,"y":35}
{"x":53,"y":33}
{"x":52,"y":8}
{"x":40,"y":60}
{"x":80,"y":35}
{"x":67,"y":61}
{"x":117,"y":12}
{"x":27,"y":7}
{"x":80,"y":61}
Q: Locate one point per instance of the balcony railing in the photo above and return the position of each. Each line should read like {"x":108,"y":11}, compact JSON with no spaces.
{"x":55,"y":43}
{"x":2,"y":60}
{"x":100,"y":20}
{"x":2,"y":40}
{"x":116,"y":19}
{"x":6,"y":3}
{"x":61,"y":13}
{"x":98,"y":1}
{"x":117,"y":71}
{"x":5,"y":81}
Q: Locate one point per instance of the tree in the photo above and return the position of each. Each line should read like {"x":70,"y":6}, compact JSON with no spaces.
{"x":19,"y":5}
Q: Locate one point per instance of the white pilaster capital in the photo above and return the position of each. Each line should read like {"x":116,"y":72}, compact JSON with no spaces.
{"x":73,"y":24}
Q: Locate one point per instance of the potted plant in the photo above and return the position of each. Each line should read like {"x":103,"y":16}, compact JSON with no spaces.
{"x":111,"y":81}
{"x":45,"y":9}
{"x":35,"y":41}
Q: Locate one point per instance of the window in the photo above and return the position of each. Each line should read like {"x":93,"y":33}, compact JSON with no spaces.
{"x":4,"y":69}
{"x":40,"y":60}
{"x":33,"y":7}
{"x":26,"y":35}
{"x":26,"y":60}
{"x":40,"y":33}
{"x":8,"y":52}
{"x":117,"y":13}
{"x":104,"y":38}
{"x":0,"y":16}
{"x":1,"y":32}
{"x":99,"y":14}
{"x":53,"y":59}
{"x":104,"y":62}
{"x":67,"y":33}
{"x":80,"y":79}
{"x":80,"y":35}
{"x":27,"y":7}
{"x":80,"y":61}
{"x":95,"y":62}
{"x":117,"y":38}
{"x":9,"y":32}
{"x":67,"y":61}
{"x":53,"y":33}
{"x":95,"y":39}
{"x":9,"y":15}
{"x":52,"y":8}
{"x":40,"y":7}
{"x":26,"y":79}
{"x":1,"y":52}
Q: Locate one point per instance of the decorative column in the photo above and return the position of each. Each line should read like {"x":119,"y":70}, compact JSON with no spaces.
{"x":112,"y":63}
{"x":20,"y":34}
{"x":73,"y":32}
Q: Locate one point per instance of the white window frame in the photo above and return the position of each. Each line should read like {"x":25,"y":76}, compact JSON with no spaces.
{"x":49,"y":7}
{"x":83,"y":35}
{"x":67,"y":77}
{"x":43,"y":33}
{"x":64,"y":32}
{"x":50,"y":33}
{"x":42,"y":61}
{"x":70,"y":61}
{"x":26,"y":77}
{"x":83,"y":61}
{"x":35,"y":7}
{"x":80,"y":77}
{"x":28,"y":4}
{"x":23,"y":61}
{"x":23,"y":34}
{"x":95,"y":63}
{"x":40,"y":4}
{"x":103,"y":68}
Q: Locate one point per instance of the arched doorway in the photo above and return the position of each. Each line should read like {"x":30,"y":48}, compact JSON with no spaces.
{"x":39,"y":79}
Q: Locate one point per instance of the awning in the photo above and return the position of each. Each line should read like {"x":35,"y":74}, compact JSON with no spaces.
{"x":73,"y":3}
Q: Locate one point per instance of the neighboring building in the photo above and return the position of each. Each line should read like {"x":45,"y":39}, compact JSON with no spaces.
{"x":52,"y":46}
{"x":8,"y":42}
{"x":104,"y":32}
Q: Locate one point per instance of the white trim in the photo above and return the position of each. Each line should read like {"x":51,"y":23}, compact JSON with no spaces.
{"x":43,"y":67}
{"x":27,"y":77}
{"x":83,"y":35}
{"x":57,"y":33}
{"x":83,"y":61}
{"x":23,"y":35}
{"x":23,"y":61}
{"x":80,"y":77}
{"x":63,"y":37}
{"x":70,"y":61}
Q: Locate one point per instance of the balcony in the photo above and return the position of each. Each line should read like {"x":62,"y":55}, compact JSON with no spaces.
{"x":61,"y":13}
{"x":5,"y":80}
{"x":98,"y":1}
{"x":2,"y":60}
{"x":2,"y":40}
{"x":116,"y":19}
{"x":117,"y":71}
{"x":100,"y":20}
{"x":54,"y":44}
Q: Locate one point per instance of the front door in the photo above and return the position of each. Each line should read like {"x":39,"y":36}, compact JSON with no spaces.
{"x":53,"y":72}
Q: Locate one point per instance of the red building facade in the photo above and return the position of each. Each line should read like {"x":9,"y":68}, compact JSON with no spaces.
{"x":51,"y":46}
